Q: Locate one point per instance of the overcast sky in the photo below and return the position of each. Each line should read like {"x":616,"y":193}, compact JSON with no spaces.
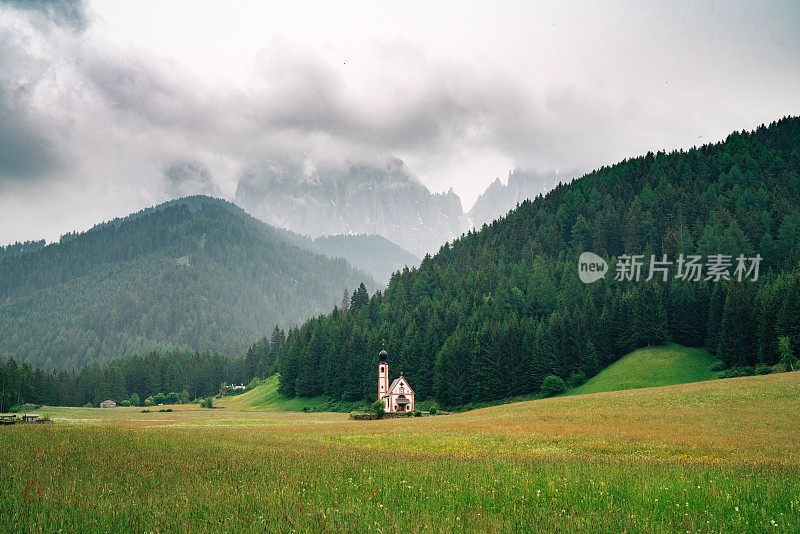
{"x":107,"y":107}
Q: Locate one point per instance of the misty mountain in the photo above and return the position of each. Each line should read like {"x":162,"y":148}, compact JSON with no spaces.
{"x":373,"y":254}
{"x":361,"y":199}
{"x":196,"y":273}
{"x":499,"y":198}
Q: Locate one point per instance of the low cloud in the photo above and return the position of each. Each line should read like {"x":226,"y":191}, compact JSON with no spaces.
{"x":123,"y":128}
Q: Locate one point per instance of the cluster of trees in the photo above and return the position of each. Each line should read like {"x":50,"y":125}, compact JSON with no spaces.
{"x":160,"y":377}
{"x":17,"y":248}
{"x":498,"y":310}
{"x":198,"y":273}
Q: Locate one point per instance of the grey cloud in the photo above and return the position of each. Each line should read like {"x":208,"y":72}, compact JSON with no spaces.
{"x":69,"y":13}
{"x":185,"y":178}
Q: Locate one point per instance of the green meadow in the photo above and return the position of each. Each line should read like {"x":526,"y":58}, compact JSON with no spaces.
{"x":714,"y":456}
{"x":665,"y":365}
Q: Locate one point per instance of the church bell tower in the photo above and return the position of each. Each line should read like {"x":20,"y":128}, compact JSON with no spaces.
{"x":383,"y":376}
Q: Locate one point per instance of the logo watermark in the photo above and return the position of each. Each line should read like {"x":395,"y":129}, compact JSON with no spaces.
{"x":687,"y":268}
{"x":591,"y":267}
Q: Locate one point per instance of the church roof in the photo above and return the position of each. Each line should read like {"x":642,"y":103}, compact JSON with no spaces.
{"x":396,"y":380}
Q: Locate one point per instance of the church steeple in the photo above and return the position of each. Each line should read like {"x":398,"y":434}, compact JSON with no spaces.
{"x":383,"y":376}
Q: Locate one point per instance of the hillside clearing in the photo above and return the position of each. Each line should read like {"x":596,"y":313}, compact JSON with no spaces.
{"x":651,"y":367}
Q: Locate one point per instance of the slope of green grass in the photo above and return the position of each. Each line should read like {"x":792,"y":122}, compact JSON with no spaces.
{"x":266,"y":397}
{"x":654,"y":366}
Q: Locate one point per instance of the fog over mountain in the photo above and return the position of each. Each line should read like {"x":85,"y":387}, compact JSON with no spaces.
{"x":107,"y":109}
{"x":359,"y":199}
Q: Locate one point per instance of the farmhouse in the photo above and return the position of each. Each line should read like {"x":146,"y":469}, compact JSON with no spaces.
{"x":108,"y":403}
{"x":397,"y":397}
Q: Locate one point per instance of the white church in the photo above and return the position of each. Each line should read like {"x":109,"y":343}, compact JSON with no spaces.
{"x":397,"y":397}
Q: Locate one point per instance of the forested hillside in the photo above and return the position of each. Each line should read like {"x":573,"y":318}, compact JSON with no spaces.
{"x":197,"y":273}
{"x":496,"y":311}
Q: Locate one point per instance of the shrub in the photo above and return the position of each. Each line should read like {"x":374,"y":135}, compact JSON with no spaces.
{"x":207,"y":403}
{"x":417,"y":413}
{"x":87,"y":405}
{"x":735,"y":372}
{"x":432,"y":411}
{"x":149,"y":401}
{"x":165,"y":410}
{"x":135,"y":400}
{"x":552,"y":385}
{"x":172,"y":398}
{"x":762,"y":369}
{"x":125,"y":403}
{"x":160,"y":398}
{"x":718,"y":366}
{"x":576,"y":379}
{"x":145,"y":411}
{"x":778,"y":368}
{"x":378,"y":408}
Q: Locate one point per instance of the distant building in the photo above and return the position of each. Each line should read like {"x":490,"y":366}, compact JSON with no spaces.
{"x":30,"y":417}
{"x":397,"y":397}
{"x":108,"y":403}
{"x":235,"y":387}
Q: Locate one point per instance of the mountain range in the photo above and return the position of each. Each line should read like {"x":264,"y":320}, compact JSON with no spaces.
{"x":376,"y":200}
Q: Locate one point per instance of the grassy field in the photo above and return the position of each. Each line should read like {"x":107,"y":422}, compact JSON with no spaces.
{"x":654,"y":366}
{"x":716,"y":456}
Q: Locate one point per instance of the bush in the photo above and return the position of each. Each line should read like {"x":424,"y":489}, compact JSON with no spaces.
{"x":165,"y":410}
{"x":576,"y":379}
{"x":778,"y":368}
{"x":149,"y":401}
{"x":135,"y":400}
{"x":207,"y":403}
{"x":735,"y":372}
{"x":433,"y":411}
{"x":552,"y":385}
{"x":145,"y":411}
{"x":762,"y":369}
{"x":160,"y":398}
{"x":718,"y":366}
{"x":88,"y":405}
{"x":417,"y":413}
{"x":125,"y":403}
{"x":378,"y":408}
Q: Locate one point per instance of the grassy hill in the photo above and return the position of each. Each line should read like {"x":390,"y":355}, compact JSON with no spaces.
{"x":653,"y":366}
{"x":266,"y":397}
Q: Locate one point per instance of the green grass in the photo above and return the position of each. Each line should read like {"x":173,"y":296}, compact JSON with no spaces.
{"x":650,"y":367}
{"x":266,"y":397}
{"x":715,"y":456}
